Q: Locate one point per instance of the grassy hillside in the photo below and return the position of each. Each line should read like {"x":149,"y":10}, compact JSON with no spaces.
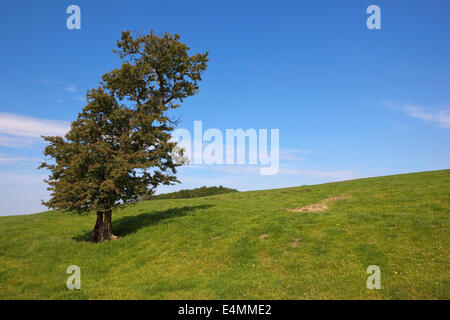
{"x":245,"y":245}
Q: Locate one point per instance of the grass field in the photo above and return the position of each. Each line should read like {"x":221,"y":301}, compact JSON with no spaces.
{"x":244,"y":245}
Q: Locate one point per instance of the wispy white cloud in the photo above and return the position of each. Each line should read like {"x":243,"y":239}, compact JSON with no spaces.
{"x":61,"y":85}
{"x":48,"y":82}
{"x":18,"y":131}
{"x":5,"y":159}
{"x":246,"y":169}
{"x":328,"y":174}
{"x":79,"y":98}
{"x":438,"y":117}
{"x":244,"y":177}
{"x":17,"y":125}
{"x":71,"y":88}
{"x":293,"y":154}
{"x":15,"y":141}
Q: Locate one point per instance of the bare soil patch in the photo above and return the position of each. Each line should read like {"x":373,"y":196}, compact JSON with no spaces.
{"x":295,"y":242}
{"x":319,"y":206}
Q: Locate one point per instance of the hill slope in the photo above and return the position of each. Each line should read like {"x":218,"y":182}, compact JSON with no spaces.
{"x":245,"y":245}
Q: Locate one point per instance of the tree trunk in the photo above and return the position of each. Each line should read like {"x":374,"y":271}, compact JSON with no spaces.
{"x":107,"y":227}
{"x":103,"y":228}
{"x":97,"y":232}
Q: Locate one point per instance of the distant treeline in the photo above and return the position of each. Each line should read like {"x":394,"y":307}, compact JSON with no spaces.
{"x":192,"y":193}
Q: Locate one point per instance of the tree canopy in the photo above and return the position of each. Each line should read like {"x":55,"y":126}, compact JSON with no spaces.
{"x":119,"y":147}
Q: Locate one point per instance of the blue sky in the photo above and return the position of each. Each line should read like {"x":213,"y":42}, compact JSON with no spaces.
{"x":349,"y":102}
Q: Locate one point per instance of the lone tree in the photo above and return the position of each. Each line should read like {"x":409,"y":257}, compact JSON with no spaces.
{"x":119,"y":147}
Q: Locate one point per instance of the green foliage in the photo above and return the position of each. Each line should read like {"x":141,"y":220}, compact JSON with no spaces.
{"x":119,"y":147}
{"x":211,"y":247}
{"x":192,"y":193}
